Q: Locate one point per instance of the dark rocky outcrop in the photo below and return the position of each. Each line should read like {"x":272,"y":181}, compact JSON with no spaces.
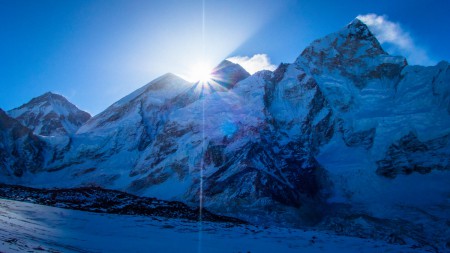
{"x":410,"y":155}
{"x":94,"y":199}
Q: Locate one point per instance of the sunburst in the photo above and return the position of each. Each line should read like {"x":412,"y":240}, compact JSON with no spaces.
{"x":201,"y":72}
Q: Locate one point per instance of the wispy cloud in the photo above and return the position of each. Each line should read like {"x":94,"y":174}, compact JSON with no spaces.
{"x":253,"y":64}
{"x":395,"y":39}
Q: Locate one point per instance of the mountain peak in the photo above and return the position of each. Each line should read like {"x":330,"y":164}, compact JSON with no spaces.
{"x":355,"y":41}
{"x":53,"y":95}
{"x":360,"y":31}
{"x":347,"y":54}
{"x":45,"y":97}
{"x":357,"y":23}
{"x":228,"y":74}
{"x":225,"y":63}
{"x":50,"y":114}
{"x":168,"y":75}
{"x":152,"y":95}
{"x":49,"y":93}
{"x":167,"y":82}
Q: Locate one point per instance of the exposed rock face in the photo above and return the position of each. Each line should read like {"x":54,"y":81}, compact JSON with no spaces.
{"x":20,"y":150}
{"x":50,"y":114}
{"x":347,"y":63}
{"x":409,"y":155}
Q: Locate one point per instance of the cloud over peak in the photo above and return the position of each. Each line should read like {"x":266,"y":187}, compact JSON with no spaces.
{"x":253,"y":64}
{"x":395,"y":39}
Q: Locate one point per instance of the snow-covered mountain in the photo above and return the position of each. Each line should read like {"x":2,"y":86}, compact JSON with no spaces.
{"x":50,"y":114}
{"x":345,"y":125}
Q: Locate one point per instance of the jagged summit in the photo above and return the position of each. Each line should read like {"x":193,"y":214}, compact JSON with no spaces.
{"x":353,"y":42}
{"x":348,"y":59}
{"x":50,"y":114}
{"x":356,"y":22}
{"x":228,"y":74}
{"x":358,"y":25}
{"x":361,"y":32}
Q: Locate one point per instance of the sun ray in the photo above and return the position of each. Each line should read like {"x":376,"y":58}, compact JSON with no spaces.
{"x":201,"y":72}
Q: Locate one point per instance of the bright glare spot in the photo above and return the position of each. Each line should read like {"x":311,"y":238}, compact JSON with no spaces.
{"x":201,"y":72}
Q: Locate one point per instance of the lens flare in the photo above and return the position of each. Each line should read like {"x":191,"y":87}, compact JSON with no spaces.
{"x":201,"y":72}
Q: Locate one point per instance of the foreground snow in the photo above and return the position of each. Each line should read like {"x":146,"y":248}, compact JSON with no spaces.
{"x":26,"y":227}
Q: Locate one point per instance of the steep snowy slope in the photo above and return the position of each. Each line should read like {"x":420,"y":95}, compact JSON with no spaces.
{"x":389,"y":154}
{"x":167,"y":137}
{"x":128,"y":111}
{"x":389,"y":117}
{"x":219,"y":148}
{"x":107,"y":146}
{"x":50,"y":114}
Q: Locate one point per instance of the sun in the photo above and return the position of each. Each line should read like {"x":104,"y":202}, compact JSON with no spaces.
{"x":201,"y":72}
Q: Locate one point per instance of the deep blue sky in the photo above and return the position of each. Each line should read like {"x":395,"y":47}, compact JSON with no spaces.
{"x":95,"y":52}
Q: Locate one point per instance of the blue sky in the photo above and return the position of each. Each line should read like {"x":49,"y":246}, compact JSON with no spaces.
{"x":95,"y":52}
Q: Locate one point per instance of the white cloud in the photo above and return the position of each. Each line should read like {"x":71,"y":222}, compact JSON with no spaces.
{"x":395,"y":39}
{"x":253,"y":64}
